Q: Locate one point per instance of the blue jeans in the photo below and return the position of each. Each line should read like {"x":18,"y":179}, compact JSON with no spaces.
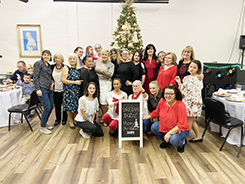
{"x":176,"y":139}
{"x":47,"y":100}
{"x":146,"y":125}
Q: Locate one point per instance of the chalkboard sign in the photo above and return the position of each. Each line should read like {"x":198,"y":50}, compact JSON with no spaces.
{"x":130,"y":122}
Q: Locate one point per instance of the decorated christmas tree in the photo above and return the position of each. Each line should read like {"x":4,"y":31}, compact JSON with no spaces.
{"x":127,"y":34}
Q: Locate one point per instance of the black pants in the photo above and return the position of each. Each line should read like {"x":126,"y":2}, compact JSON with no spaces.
{"x":89,"y":127}
{"x":58,"y":97}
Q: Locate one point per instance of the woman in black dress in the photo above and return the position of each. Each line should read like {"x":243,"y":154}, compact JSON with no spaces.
{"x":137,"y":60}
{"x":127,"y":72}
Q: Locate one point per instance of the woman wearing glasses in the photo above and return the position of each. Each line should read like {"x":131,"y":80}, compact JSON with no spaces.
{"x":168,"y":71}
{"x":173,"y":126}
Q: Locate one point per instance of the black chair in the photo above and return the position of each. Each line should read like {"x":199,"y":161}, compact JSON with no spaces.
{"x":215,"y":112}
{"x":24,"y":109}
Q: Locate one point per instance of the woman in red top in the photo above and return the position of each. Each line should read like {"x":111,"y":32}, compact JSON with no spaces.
{"x":150,"y":66}
{"x":168,"y":71}
{"x":173,"y":126}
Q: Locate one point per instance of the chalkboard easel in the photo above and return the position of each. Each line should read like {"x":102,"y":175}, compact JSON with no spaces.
{"x":130,"y":121}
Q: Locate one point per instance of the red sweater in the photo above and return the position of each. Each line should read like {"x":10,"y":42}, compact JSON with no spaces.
{"x":167,"y":77}
{"x":170,"y":117}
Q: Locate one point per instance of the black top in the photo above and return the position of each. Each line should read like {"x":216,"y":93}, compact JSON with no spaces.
{"x":88,"y":76}
{"x":152,"y":102}
{"x":15,"y":75}
{"x":178,"y":69}
{"x":127,"y":71}
{"x":42,"y":75}
{"x":158,"y":69}
{"x":141,"y":69}
{"x":115,"y":69}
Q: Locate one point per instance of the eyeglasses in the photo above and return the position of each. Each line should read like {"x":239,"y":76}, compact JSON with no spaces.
{"x":168,"y":58}
{"x":171,"y":94}
{"x":97,"y":48}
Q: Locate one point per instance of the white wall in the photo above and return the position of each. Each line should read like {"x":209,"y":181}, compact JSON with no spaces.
{"x":209,"y":26}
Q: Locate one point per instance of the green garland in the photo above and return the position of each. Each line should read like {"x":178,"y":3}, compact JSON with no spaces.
{"x":222,"y":67}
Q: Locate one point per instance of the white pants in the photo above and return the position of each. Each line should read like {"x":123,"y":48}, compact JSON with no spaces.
{"x":105,"y":87}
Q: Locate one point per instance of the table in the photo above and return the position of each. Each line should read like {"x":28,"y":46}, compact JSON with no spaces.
{"x":7,"y":100}
{"x":236,"y":109}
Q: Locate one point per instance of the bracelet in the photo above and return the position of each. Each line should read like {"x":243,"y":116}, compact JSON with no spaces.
{"x":143,"y":92}
{"x":169,"y":133}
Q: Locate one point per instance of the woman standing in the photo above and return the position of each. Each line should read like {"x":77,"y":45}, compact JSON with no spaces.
{"x":191,"y":89}
{"x":71,"y":78}
{"x":43,"y":84}
{"x":104,"y":69}
{"x":111,"y":118}
{"x":160,"y":61}
{"x":90,"y":52}
{"x":127,"y":73}
{"x":88,"y":106}
{"x":173,"y":126}
{"x":88,"y":74}
{"x":137,"y":60}
{"x":79,"y":52}
{"x":168,"y":71}
{"x":150,"y":65}
{"x":115,"y":60}
{"x":58,"y":88}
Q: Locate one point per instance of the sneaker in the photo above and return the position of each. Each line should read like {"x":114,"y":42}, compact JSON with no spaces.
{"x":49,"y":127}
{"x":45,"y":130}
{"x":30,"y":115}
{"x":181,"y":149}
{"x":86,"y":136}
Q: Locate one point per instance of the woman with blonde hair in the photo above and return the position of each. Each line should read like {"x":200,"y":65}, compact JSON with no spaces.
{"x":187,"y":55}
{"x":168,"y":71}
{"x":104,"y":69}
{"x":71,"y":78}
{"x":58,"y":88}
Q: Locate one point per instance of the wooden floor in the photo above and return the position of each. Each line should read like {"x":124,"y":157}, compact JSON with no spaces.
{"x":65,"y":157}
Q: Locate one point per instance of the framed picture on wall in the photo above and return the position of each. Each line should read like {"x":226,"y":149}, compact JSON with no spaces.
{"x":29,"y":40}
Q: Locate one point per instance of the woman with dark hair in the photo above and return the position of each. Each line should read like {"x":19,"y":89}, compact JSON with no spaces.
{"x":87,"y":108}
{"x":115,"y":59}
{"x":160,"y":61}
{"x":42,"y":78}
{"x":150,"y":65}
{"x":111,"y":118}
{"x":127,"y":73}
{"x":173,"y":126}
{"x":137,"y":60}
{"x":88,"y":74}
{"x":79,"y":51}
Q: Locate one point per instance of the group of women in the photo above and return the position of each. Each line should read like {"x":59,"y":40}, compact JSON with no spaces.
{"x":84,"y":86}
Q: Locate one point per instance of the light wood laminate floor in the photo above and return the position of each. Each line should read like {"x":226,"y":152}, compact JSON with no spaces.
{"x":65,"y":157}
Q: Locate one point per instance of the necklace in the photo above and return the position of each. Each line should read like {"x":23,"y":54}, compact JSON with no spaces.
{"x":58,"y":68}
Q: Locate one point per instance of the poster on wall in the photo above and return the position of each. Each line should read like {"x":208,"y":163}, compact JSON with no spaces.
{"x":130,"y":121}
{"x":29,"y":40}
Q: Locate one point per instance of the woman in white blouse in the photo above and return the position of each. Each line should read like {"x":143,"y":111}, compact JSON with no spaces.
{"x":141,"y":95}
{"x":58,"y":88}
{"x":88,"y":105}
{"x":111,"y":118}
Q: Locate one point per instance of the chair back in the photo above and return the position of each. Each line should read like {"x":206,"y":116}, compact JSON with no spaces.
{"x":215,"y":111}
{"x":34,"y":101}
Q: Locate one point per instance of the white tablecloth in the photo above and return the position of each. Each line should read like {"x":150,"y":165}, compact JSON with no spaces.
{"x":236,"y":109}
{"x":7,"y":100}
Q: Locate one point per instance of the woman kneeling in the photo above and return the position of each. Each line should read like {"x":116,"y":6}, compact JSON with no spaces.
{"x":173,"y":126}
{"x":88,"y":105}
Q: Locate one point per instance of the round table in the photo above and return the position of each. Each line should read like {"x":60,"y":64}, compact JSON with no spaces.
{"x":7,"y":100}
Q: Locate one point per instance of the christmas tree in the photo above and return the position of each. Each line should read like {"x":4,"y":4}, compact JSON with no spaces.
{"x":127,"y":34}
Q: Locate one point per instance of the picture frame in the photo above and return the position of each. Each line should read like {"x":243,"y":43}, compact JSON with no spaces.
{"x":29,"y":40}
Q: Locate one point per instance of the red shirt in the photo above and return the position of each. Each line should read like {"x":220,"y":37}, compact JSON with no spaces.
{"x":166,"y":77}
{"x":171,"y":116}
